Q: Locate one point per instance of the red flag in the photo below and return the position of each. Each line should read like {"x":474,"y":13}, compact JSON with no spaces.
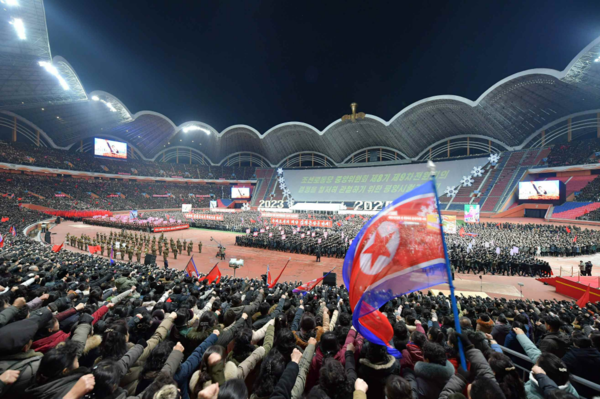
{"x":4,"y":219}
{"x":191,"y":268}
{"x":57,"y":248}
{"x":585,"y":298}
{"x":568,"y":230}
{"x":575,"y":239}
{"x":461,"y":232}
{"x":306,"y":287}
{"x":214,"y":274}
{"x":277,"y":279}
{"x":93,"y":248}
{"x":498,"y":225}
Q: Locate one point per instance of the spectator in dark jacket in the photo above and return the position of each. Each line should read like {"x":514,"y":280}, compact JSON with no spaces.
{"x":430,"y":376}
{"x":583,"y":360}
{"x":375,"y":368}
{"x":501,"y":330}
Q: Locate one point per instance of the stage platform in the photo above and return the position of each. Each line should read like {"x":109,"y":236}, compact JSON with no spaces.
{"x":574,"y":287}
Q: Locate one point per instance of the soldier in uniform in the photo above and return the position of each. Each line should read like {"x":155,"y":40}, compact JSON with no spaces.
{"x":175,"y":251}
{"x":179,"y":245}
{"x":190,"y":247}
{"x":153,"y":250}
{"x":130,"y":253}
{"x":138,"y":255}
{"x":101,"y":249}
{"x":159,"y":246}
{"x":166,"y":253}
{"x":200,"y":247}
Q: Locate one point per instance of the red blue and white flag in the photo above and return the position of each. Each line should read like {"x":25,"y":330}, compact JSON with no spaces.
{"x":1,"y":241}
{"x":306,"y":287}
{"x":13,"y":231}
{"x":112,"y":256}
{"x":400,"y":250}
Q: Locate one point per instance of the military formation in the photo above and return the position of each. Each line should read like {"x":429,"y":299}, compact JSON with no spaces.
{"x":130,"y":244}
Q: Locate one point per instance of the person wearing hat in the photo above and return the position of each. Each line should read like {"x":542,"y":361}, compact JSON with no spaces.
{"x":16,"y":353}
{"x":485,"y":324}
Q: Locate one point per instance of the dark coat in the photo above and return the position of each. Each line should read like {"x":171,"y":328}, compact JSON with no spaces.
{"x":584,"y":363}
{"x":500,"y":332}
{"x":429,"y":378}
{"x":375,"y":375}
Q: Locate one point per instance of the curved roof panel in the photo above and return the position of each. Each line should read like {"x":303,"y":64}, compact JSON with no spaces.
{"x":508,"y":113}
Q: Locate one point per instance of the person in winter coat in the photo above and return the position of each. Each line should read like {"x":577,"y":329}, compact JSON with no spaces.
{"x":16,"y":353}
{"x":59,"y":369}
{"x":308,"y":327}
{"x":376,"y":367}
{"x":328,"y":347}
{"x":431,"y":375}
{"x":556,"y":341}
{"x":484,"y":380}
{"x":501,"y":330}
{"x":283,"y":389}
{"x":553,"y":366}
{"x":413,"y":352}
{"x":485,"y":324}
{"x":583,"y":360}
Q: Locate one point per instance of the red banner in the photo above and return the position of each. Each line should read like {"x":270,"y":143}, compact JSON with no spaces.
{"x":171,"y":228}
{"x":113,"y":195}
{"x":302,"y":222}
{"x":60,"y":195}
{"x":279,"y":215}
{"x":203,"y":216}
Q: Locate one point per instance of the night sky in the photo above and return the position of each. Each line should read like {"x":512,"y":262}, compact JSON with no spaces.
{"x":262,"y":63}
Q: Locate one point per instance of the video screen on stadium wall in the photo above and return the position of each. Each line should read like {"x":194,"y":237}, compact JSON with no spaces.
{"x":110,"y":149}
{"x":548,"y":190}
{"x":471,"y":213}
{"x":378,"y":183}
{"x":240,"y":192}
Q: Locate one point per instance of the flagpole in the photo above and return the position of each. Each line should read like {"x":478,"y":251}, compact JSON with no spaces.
{"x":461,"y":351}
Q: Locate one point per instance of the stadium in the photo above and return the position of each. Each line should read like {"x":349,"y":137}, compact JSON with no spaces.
{"x":335,"y":263}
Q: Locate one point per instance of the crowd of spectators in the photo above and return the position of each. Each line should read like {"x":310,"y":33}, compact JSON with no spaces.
{"x":577,"y":152}
{"x":66,"y":193}
{"x":23,"y":154}
{"x":73,"y":326}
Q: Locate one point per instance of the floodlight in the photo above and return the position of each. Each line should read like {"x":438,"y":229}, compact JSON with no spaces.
{"x":95,"y":98}
{"x":11,"y":3}
{"x":193,"y":128}
{"x":110,"y":106}
{"x":19,"y":28}
{"x":52,"y":70}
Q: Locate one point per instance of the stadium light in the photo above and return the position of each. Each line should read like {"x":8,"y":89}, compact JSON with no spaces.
{"x":95,"y":98}
{"x":11,"y":3}
{"x":193,"y":128}
{"x":52,"y":70}
{"x":19,"y":28}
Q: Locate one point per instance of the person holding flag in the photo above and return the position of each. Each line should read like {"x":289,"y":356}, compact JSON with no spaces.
{"x":399,"y":251}
{"x":190,"y":269}
{"x":112,"y":256}
{"x":213,"y":276}
{"x":57,"y":248}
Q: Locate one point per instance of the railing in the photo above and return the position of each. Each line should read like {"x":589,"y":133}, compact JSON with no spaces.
{"x":574,"y":378}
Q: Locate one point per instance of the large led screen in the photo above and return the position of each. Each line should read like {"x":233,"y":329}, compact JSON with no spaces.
{"x":110,"y":149}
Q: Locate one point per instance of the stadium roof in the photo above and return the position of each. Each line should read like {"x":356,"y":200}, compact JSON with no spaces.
{"x":509,"y":113}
